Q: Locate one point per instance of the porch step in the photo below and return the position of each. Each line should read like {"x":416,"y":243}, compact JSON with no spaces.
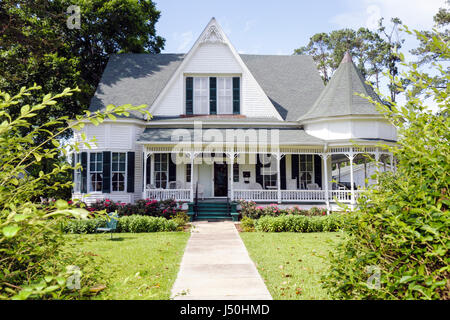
{"x":212,"y":210}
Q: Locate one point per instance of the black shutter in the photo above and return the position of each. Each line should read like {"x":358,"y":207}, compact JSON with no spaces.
{"x":73,"y":171}
{"x":283,"y":173}
{"x":106,"y":172}
{"x":294,"y":167}
{"x":143,"y":164}
{"x":258,"y":176}
{"x":84,"y":172}
{"x":212,"y":95}
{"x":318,"y":170}
{"x":130,"y":171}
{"x":149,"y":170}
{"x":172,"y":169}
{"x":189,"y":95}
{"x":236,"y":95}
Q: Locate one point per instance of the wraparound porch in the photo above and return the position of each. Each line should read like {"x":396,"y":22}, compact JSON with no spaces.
{"x":241,"y":179}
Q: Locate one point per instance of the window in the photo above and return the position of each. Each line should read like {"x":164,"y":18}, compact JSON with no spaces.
{"x":212,"y":95}
{"x":161,"y":170}
{"x":306,"y":170}
{"x":224,"y":95}
{"x":96,"y":171}
{"x":269,"y":173}
{"x":118,"y":170}
{"x":188,"y":172}
{"x":235,"y":172}
{"x":201,"y":96}
{"x":77,"y":175}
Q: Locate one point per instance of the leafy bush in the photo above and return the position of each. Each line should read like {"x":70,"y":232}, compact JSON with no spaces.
{"x":31,"y":252}
{"x":146,"y":207}
{"x":299,"y":223}
{"x":134,"y":224}
{"x":181,"y":219}
{"x":247,"y":224}
{"x":249,"y":209}
{"x":401,"y":228}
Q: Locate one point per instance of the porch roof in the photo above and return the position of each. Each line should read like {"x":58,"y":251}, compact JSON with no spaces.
{"x":286,"y":136}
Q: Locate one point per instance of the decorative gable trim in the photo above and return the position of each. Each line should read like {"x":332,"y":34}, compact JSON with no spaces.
{"x":212,"y":35}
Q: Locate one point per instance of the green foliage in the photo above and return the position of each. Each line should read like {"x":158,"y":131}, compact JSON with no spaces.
{"x":38,"y":47}
{"x":299,"y":223}
{"x":181,"y":219}
{"x":251,"y":210}
{"x":402,"y":225}
{"x":372,"y":51}
{"x":247,"y":224}
{"x":134,"y":224}
{"x":30,"y":232}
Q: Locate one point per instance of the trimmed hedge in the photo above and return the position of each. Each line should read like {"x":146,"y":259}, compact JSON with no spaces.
{"x":299,"y":223}
{"x":134,"y":224}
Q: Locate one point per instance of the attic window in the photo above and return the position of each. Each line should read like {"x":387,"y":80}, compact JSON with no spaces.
{"x":212,"y":95}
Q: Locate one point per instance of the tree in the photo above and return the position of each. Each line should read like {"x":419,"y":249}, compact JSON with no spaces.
{"x":398,"y":238}
{"x":371,"y":51}
{"x":37,"y":46}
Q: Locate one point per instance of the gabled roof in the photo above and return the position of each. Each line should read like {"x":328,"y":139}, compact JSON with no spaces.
{"x":339,"y":99}
{"x":292,"y":83}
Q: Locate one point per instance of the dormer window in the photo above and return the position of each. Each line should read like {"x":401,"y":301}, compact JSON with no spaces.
{"x":213,"y":95}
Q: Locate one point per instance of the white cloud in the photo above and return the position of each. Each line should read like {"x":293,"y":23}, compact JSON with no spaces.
{"x":184,"y":40}
{"x":417,"y":14}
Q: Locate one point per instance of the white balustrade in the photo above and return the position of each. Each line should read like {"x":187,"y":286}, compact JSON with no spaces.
{"x":164,"y":194}
{"x":256,"y":195}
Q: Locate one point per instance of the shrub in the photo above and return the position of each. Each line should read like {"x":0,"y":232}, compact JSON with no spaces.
{"x":299,"y":223}
{"x":32,"y":244}
{"x":247,"y":224}
{"x":249,"y":209}
{"x":181,"y":219}
{"x":401,"y":229}
{"x":134,"y":224}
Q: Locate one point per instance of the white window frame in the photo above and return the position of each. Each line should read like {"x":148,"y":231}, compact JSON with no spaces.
{"x":302,"y":171}
{"x":269,"y":173}
{"x":159,"y":181}
{"x":77,"y":174}
{"x":200,"y":90}
{"x":224,"y":95}
{"x":90,"y":172}
{"x":119,"y":171}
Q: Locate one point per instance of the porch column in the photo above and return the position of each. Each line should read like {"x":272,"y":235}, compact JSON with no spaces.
{"x":278,"y":156}
{"x":325,"y":156}
{"x":377,"y":163}
{"x":145,"y":174}
{"x":350,"y":157}
{"x":231,"y":155}
{"x":192,"y":156}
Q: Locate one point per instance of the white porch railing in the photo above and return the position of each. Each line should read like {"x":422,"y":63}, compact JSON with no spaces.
{"x":344,"y":196}
{"x":256,"y":195}
{"x":302,"y":195}
{"x":164,"y":194}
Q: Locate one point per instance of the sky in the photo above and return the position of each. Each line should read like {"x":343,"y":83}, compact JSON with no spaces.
{"x":279,"y":27}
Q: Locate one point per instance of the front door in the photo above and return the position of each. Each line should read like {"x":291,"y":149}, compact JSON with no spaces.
{"x":220,"y":180}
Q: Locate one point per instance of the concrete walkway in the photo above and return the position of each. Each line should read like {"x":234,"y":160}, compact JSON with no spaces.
{"x":216,"y":266}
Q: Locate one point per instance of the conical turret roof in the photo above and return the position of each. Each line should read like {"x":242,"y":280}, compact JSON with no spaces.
{"x":339,"y":99}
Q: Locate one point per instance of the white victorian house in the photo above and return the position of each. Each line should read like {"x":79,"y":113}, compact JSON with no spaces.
{"x":229,"y":126}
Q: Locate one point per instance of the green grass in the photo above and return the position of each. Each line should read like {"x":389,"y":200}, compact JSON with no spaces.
{"x":292,"y":264}
{"x":134,"y":265}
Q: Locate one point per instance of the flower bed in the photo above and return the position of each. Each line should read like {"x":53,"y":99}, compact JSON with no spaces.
{"x":144,"y":207}
{"x":251,"y":210}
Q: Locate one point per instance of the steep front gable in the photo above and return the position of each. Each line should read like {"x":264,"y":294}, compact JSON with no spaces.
{"x":213,"y":55}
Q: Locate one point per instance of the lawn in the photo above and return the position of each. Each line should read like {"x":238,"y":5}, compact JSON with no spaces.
{"x":135,"y":265}
{"x":292,"y":264}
